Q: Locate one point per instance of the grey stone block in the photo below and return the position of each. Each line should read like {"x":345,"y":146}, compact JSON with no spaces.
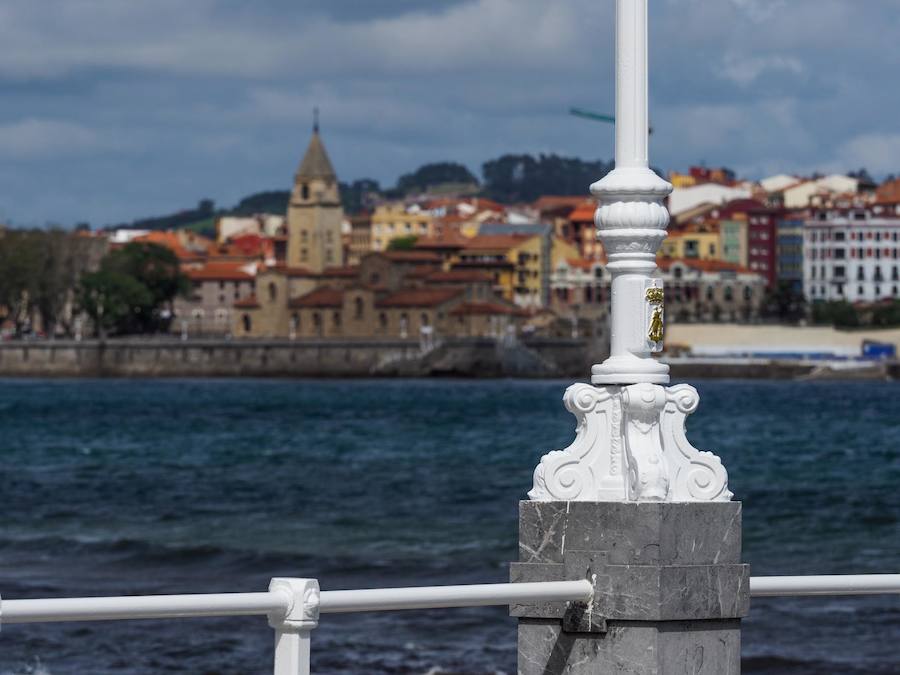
{"x":632,"y":533}
{"x":669,"y":588}
{"x":631,"y":648}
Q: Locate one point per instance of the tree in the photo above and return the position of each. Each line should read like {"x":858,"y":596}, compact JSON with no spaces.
{"x":115,"y":302}
{"x":274,"y":201}
{"x":20,"y":260}
{"x":359,"y":195}
{"x":132,"y":288}
{"x":840,"y":314}
{"x":402,"y":243}
{"x":430,"y":175}
{"x":886,"y":315}
{"x":784,"y":302}
{"x":523,"y":178}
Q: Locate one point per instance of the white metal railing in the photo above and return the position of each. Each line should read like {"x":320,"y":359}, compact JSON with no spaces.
{"x":833,"y":584}
{"x":293,"y":605}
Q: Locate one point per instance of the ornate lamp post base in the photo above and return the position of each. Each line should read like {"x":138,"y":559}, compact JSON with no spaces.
{"x":630,"y":445}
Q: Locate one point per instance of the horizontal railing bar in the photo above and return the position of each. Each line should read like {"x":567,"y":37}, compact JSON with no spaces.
{"x":834,"y":584}
{"x":142,"y":607}
{"x":435,"y":597}
{"x":388,"y":599}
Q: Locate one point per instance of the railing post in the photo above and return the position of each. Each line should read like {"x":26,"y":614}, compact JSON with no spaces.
{"x":292,"y":630}
{"x":631,"y":504}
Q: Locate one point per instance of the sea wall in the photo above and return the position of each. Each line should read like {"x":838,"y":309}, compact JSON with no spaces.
{"x":453,"y":358}
{"x":284,"y":358}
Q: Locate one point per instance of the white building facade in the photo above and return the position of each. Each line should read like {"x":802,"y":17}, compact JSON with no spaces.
{"x":851,"y":255}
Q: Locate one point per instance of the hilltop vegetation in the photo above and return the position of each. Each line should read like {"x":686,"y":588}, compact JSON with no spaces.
{"x":507,"y":179}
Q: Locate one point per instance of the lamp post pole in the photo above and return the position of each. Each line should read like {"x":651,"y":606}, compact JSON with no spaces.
{"x":631,"y":504}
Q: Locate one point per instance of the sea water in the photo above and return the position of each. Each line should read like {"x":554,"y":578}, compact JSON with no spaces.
{"x":117,"y":487}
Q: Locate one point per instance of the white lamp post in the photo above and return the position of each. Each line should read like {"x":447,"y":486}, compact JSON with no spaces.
{"x":630,"y":443}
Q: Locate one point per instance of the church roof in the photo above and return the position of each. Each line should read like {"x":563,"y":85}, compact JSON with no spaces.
{"x":315,"y":162}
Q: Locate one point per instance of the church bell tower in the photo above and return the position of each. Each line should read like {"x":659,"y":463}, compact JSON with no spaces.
{"x":314,"y":212}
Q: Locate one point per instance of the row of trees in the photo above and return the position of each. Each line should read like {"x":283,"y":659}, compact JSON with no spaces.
{"x":843,"y":314}
{"x":49,"y":277}
{"x":39,"y":270}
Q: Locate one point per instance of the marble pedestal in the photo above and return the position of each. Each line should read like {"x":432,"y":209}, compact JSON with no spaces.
{"x":670,"y":589}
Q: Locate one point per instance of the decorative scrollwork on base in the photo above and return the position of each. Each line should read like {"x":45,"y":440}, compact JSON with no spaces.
{"x":698,"y":476}
{"x":630,"y":445}
{"x":577,"y":473}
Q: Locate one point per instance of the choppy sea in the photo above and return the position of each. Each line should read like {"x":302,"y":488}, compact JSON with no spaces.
{"x":125,"y":487}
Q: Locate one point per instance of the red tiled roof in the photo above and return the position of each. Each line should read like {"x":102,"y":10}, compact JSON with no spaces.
{"x":290,"y":271}
{"x":584,"y":213}
{"x":483,"y":264}
{"x":419,"y":297}
{"x":452,"y":241}
{"x":459,"y":276}
{"x":497,"y":241}
{"x":420,"y":272}
{"x":220,"y":271}
{"x":486,"y":308}
{"x":412,"y":256}
{"x":548,"y":202}
{"x":320,"y":297}
{"x":347,"y":271}
{"x":581,"y":263}
{"x":250,"y":302}
{"x":701,"y":265}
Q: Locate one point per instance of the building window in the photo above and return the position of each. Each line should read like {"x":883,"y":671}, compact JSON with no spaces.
{"x":221,"y":316}
{"x":859,"y":290}
{"x":729,"y":294}
{"x":197,"y":313}
{"x":860,"y":274}
{"x":273,"y":291}
{"x":304,"y":236}
{"x":748,"y":293}
{"x":248,"y":323}
{"x":336,"y":319}
{"x":424,"y":319}
{"x":358,"y":308}
{"x":304,"y":191}
{"x":710,"y":294}
{"x":382,"y":320}
{"x":304,"y":254}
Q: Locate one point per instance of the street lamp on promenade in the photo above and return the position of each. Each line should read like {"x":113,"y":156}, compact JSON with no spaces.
{"x":631,"y":505}
{"x":631,"y":444}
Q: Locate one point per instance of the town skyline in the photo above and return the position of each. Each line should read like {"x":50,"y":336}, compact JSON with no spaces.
{"x":126,"y":116}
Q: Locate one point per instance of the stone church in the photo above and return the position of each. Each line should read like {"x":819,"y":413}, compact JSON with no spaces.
{"x":309,"y":293}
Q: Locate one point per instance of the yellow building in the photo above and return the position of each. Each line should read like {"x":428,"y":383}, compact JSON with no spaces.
{"x":681,"y":180}
{"x":395,"y":219}
{"x":691,"y":246}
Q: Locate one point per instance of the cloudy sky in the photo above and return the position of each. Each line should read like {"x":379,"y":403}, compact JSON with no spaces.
{"x":114,"y":109}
